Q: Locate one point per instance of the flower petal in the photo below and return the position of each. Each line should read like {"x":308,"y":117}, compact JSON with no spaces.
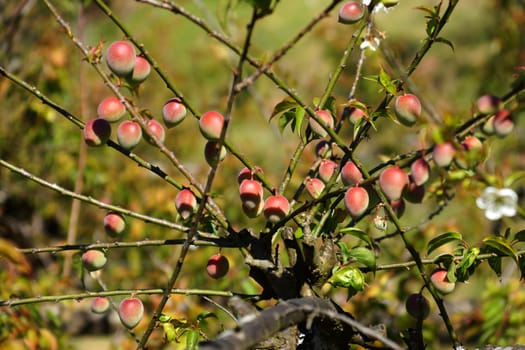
{"x":493,"y":214}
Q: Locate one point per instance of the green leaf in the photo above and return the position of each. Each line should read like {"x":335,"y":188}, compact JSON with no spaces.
{"x":443,"y":239}
{"x":285,"y":119}
{"x":204,"y":315}
{"x":192,"y":337}
{"x":169,"y":332}
{"x":495,"y":265}
{"x":521,"y":264}
{"x":513,"y":178}
{"x":348,"y":277}
{"x":468,"y":264}
{"x":345,"y":252}
{"x":502,"y":246}
{"x":284,"y":106}
{"x":358,"y":233}
{"x":520,"y":236}
{"x":364,"y":256}
{"x":446,"y":42}
{"x":386,"y":82}
{"x":298,"y":119}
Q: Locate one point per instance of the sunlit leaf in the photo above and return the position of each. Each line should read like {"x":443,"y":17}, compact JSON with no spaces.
{"x":364,"y":256}
{"x":192,"y":337}
{"x":442,"y":239}
{"x":386,"y":82}
{"x":468,"y":264}
{"x":358,"y":233}
{"x":501,"y":246}
{"x":348,"y":277}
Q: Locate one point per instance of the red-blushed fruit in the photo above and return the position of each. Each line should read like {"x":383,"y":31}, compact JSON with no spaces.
{"x":407,"y":108}
{"x":173,"y":112}
{"x":439,"y":278}
{"x":417,"y":306}
{"x":503,"y":123}
{"x":129,"y":134}
{"x":211,"y":124}
{"x":351,"y":12}
{"x":314,"y":187}
{"x":323,"y":149}
{"x":420,"y":171}
{"x":130,"y":312}
{"x":100,"y":305}
{"x":111,"y":109}
{"x":414,"y":193}
{"x":94,"y":259}
{"x":488,"y":126}
{"x":327,"y":169}
{"x":488,"y":104}
{"x":214,"y":153}
{"x":398,"y":206}
{"x":356,"y":201}
{"x":114,"y":224}
{"x":276,"y":208}
{"x":471,"y":154}
{"x":392,"y":182}
{"x":141,"y":70}
{"x":350,"y":174}
{"x":96,"y":132}
{"x":326,"y":118}
{"x":443,"y":154}
{"x":186,"y":203}
{"x":251,"y":193}
{"x":218,"y":266}
{"x":356,"y":115}
{"x":156,"y":130}
{"x":248,"y":174}
{"x":121,"y":57}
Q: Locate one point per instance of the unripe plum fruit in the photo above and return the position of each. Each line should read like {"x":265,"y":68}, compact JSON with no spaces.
{"x":417,"y":306}
{"x":356,"y":115}
{"x":407,"y":108}
{"x":100,"y":305}
{"x":96,"y":132}
{"x":276,"y":208}
{"x":141,"y":70}
{"x":156,"y":130}
{"x":323,"y":149}
{"x":251,"y":193}
{"x":326,"y":118}
{"x":214,"y":153}
{"x":440,"y":281}
{"x":314,"y":187}
{"x":130,"y":312}
{"x":350,"y":174}
{"x":488,"y":104}
{"x":398,"y":206}
{"x":218,"y":266}
{"x":121,"y":58}
{"x":114,"y":224}
{"x":414,"y":193}
{"x":443,"y":154}
{"x":94,"y":259}
{"x":173,"y":112}
{"x":351,"y":12}
{"x":503,"y":123}
{"x":420,"y":171}
{"x":327,"y":169}
{"x":186,"y":203}
{"x":111,"y":109}
{"x":211,"y":124}
{"x":392,"y":182}
{"x":129,"y":134}
{"x":253,"y":212}
{"x":356,"y":201}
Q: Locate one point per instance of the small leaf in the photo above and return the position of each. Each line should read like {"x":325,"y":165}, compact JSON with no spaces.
{"x":386,"y":82}
{"x":358,"y":233}
{"x":446,"y":42}
{"x":509,"y":181}
{"x":298,"y":120}
{"x":468,"y":264}
{"x":192,"y":337}
{"x":443,"y":239}
{"x":204,"y":315}
{"x":169,"y":332}
{"x":495,"y":265}
{"x":500,"y":245}
{"x":348,"y":277}
{"x":345,"y":252}
{"x":520,"y":236}
{"x":282,"y":107}
{"x":364,"y":256}
{"x":285,"y":119}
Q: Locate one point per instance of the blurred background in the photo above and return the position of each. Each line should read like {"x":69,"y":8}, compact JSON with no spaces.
{"x":489,"y":43}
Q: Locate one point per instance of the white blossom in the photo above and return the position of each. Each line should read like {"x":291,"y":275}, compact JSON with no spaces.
{"x":498,"y":202}
{"x":371,"y":42}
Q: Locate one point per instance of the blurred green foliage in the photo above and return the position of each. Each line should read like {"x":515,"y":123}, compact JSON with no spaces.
{"x":489,"y":43}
